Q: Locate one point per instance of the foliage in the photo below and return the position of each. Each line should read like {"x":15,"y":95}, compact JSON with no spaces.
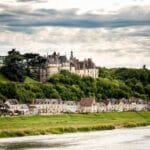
{"x":136,"y":80}
{"x":112,"y":83}
{"x":3,"y":79}
{"x":14,"y":68}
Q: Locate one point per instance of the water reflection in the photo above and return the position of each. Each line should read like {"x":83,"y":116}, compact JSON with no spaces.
{"x":28,"y":145}
{"x":120,"y":139}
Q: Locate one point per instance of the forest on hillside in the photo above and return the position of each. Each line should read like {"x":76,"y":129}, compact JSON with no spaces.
{"x":112,"y":83}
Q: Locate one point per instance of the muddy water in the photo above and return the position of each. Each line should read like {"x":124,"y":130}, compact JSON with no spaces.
{"x":119,"y":139}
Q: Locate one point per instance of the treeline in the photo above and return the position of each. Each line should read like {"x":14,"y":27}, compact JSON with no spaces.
{"x":112,"y":83}
{"x":136,"y":80}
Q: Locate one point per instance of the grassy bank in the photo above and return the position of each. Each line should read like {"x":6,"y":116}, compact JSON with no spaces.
{"x":35,"y":125}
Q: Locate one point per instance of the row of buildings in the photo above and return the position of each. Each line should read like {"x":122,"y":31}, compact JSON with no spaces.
{"x":85,"y":105}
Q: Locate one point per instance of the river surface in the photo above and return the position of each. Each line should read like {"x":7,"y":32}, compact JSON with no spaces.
{"x":118,"y":139}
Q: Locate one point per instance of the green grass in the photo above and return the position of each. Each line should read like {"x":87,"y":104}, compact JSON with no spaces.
{"x":3,"y":79}
{"x":35,"y":125}
{"x":30,"y":80}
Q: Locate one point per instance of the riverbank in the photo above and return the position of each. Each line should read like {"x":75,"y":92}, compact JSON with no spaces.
{"x":57,"y":124}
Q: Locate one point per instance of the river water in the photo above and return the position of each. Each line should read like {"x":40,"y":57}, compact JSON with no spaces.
{"x":118,"y":139}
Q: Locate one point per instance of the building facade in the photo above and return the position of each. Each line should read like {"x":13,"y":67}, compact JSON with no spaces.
{"x":70,"y":107}
{"x":16,"y":108}
{"x":56,"y":62}
{"x":87,"y":105}
{"x":47,"y":106}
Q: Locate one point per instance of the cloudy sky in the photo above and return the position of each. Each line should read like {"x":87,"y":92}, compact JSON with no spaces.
{"x":115,"y":33}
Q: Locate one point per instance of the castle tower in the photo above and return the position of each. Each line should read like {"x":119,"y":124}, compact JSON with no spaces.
{"x":71,"y":61}
{"x":71,"y":56}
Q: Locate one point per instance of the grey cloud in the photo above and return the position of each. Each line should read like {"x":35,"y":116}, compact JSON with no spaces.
{"x":144,"y":33}
{"x":70,"y":18}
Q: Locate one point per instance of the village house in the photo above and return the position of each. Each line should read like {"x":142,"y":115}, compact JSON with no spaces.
{"x":132,"y":104}
{"x":148,"y":106}
{"x":126,"y":104}
{"x":138,"y":104}
{"x":109,"y":105}
{"x":4,"y":109}
{"x":121,"y":104}
{"x":16,"y":108}
{"x":102,"y":107}
{"x":70,"y":106}
{"x":87,"y":105}
{"x":33,"y":110}
{"x":48,"y":106}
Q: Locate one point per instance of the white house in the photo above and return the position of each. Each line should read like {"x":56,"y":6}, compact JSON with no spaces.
{"x":69,"y":106}
{"x":48,"y":106}
{"x":16,"y":108}
{"x":102,"y":107}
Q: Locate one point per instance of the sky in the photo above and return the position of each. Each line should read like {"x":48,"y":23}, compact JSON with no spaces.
{"x":114,"y":33}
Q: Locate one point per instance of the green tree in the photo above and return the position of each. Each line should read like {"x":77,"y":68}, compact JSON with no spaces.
{"x":14,"y":68}
{"x":29,"y":58}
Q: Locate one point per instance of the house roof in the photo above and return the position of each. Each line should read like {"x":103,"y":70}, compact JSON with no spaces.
{"x":12,"y":101}
{"x":87,"y":102}
{"x":70,"y":102}
{"x":47,"y":101}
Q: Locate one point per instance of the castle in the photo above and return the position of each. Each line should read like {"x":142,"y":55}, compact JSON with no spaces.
{"x":56,"y":62}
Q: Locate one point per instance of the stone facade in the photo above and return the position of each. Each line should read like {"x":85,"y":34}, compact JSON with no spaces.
{"x":70,"y":107}
{"x":120,"y":105}
{"x":53,"y":106}
{"x":56,"y":62}
{"x":16,"y":108}
{"x":48,"y":106}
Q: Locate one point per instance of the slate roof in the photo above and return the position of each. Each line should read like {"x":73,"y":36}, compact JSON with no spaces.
{"x":47,"y":101}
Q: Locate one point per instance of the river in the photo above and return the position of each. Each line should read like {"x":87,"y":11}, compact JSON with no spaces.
{"x":118,"y":139}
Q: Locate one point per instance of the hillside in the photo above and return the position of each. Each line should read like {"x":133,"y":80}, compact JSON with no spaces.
{"x":112,"y":83}
{"x":3,"y":79}
{"x":30,"y":80}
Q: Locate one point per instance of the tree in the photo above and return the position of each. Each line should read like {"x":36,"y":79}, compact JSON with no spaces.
{"x":8,"y":90}
{"x":29,"y":57}
{"x":14,"y":68}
